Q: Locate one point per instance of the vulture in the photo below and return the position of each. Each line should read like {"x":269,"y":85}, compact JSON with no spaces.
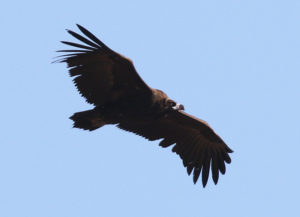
{"x":110,"y":82}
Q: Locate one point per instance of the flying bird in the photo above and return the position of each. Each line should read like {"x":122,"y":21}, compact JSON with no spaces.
{"x":110,"y":82}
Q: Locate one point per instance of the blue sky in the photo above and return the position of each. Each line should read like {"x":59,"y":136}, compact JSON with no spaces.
{"x":234,"y":64}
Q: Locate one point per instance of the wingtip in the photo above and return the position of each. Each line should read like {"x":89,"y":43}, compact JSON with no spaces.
{"x":194,"y":181}
{"x":215,"y":179}
{"x":196,"y":175}
{"x":70,"y":32}
{"x":189,"y":170}
{"x":55,"y":61}
{"x":204,"y":179}
{"x":81,"y":27}
{"x":63,"y":42}
{"x":227,"y":159}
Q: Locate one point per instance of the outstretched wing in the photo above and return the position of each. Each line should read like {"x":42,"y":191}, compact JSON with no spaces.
{"x":196,"y":143}
{"x":101,"y":75}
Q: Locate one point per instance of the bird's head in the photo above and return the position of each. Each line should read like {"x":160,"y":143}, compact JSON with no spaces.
{"x":174,"y":105}
{"x":162,"y":99}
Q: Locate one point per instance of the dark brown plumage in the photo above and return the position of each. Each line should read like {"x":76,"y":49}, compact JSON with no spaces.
{"x":109,"y":81}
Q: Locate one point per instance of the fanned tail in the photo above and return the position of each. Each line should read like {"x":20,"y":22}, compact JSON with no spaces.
{"x":87,"y":120}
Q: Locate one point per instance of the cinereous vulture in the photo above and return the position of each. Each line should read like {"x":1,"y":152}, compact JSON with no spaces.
{"x":110,"y":82}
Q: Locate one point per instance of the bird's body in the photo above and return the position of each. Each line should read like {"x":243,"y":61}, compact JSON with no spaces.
{"x":138,"y":109}
{"x":110,"y":82}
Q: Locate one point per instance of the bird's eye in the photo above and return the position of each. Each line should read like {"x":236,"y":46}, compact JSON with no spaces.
{"x":171,"y":103}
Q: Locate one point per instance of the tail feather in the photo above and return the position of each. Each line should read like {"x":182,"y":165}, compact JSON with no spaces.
{"x":87,"y":120}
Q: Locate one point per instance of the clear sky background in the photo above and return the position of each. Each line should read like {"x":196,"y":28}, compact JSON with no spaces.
{"x":235,"y":64}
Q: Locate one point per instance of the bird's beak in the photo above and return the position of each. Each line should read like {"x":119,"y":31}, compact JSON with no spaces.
{"x":178,"y":107}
